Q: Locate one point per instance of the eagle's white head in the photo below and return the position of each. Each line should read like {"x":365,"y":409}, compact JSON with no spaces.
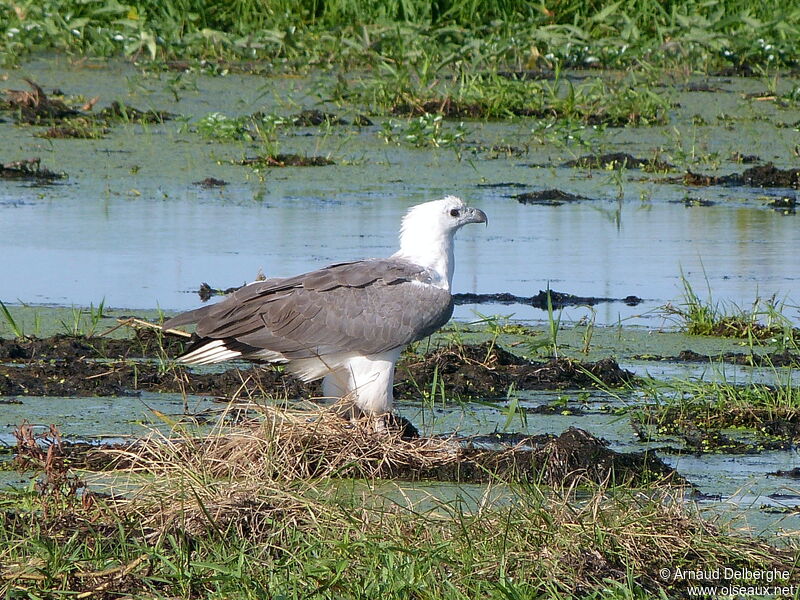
{"x":426,"y":234}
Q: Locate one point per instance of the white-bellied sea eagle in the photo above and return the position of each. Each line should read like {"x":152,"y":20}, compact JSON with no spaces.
{"x":346,"y":323}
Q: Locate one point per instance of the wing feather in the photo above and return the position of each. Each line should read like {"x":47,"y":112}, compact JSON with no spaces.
{"x":366,"y":307}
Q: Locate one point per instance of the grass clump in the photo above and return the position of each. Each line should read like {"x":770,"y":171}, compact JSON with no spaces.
{"x":598,"y":101}
{"x":723,"y":404}
{"x":764,"y":321}
{"x":211,"y":527}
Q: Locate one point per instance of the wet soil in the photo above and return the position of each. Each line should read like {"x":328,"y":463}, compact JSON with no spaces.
{"x":552,"y":197}
{"x":82,"y":377}
{"x":35,"y":107}
{"x":746,"y":159}
{"x":287,"y":160}
{"x":792,"y":473}
{"x":575,"y":454}
{"x":208,"y":183}
{"x":765,"y":176}
{"x":540,"y":300}
{"x":69,"y":366}
{"x":784,"y":204}
{"x":488,"y":371}
{"x":29,"y":169}
{"x":145,"y":343}
{"x":619,"y":160}
{"x":771,"y":359}
{"x":557,"y":299}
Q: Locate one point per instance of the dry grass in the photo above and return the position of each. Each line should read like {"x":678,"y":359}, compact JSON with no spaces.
{"x":285,"y":444}
{"x":293,"y":445}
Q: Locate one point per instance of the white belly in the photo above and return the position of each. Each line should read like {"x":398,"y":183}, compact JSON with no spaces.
{"x":366,"y":381}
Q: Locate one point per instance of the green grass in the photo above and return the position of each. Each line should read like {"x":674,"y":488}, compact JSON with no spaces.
{"x":207,"y":521}
{"x":720,"y":416}
{"x":702,"y":35}
{"x":405,"y":91}
{"x":763,"y":323}
{"x":188,"y":537}
{"x":15,"y":327}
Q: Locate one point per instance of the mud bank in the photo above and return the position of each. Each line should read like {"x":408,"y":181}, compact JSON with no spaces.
{"x":325,"y":445}
{"x":74,"y":366}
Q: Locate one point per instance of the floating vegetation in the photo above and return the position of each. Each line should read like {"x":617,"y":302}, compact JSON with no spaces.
{"x":763,"y":322}
{"x":286,"y":160}
{"x":128,"y":114}
{"x":315,"y":118}
{"x":701,"y":411}
{"x":620,"y":160}
{"x":29,"y":169}
{"x":427,"y":130}
{"x":760,"y":176}
{"x":79,"y":128}
{"x":552,"y":197}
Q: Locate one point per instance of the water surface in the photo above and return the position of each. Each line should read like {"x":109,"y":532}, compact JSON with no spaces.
{"x":130,"y":226}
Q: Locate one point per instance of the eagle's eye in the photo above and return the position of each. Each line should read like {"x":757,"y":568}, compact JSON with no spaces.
{"x":455,"y":212}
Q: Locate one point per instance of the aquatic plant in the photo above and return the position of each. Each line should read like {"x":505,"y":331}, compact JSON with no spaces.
{"x":289,"y":34}
{"x":763,"y":322}
{"x":426,"y":130}
{"x":490,"y":95}
{"x":701,"y":412}
{"x":15,"y":327}
{"x":84,"y":321}
{"x":217,"y":126}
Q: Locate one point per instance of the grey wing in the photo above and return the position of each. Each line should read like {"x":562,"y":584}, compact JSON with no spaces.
{"x":365,"y":307}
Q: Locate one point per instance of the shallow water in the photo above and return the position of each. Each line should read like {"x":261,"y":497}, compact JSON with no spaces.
{"x":129,"y":226}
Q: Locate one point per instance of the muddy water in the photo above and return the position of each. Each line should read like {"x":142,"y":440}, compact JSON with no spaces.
{"x":130,"y":226}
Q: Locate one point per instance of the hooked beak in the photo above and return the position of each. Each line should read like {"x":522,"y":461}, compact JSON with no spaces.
{"x":476,"y":215}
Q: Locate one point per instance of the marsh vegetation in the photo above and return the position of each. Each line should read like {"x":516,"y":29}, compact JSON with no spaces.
{"x":575,"y":444}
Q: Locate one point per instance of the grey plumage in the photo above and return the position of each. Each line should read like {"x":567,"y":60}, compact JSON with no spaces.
{"x":340,"y":308}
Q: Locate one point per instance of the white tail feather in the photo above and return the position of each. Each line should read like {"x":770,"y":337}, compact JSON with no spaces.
{"x":208,"y":354}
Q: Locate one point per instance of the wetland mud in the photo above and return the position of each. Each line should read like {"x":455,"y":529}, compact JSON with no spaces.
{"x":764,"y":176}
{"x":785,"y":358}
{"x":29,"y":169}
{"x":76,"y":366}
{"x":35,"y":107}
{"x":287,"y":160}
{"x":488,"y":371}
{"x":552,"y":197}
{"x":619,"y":160}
